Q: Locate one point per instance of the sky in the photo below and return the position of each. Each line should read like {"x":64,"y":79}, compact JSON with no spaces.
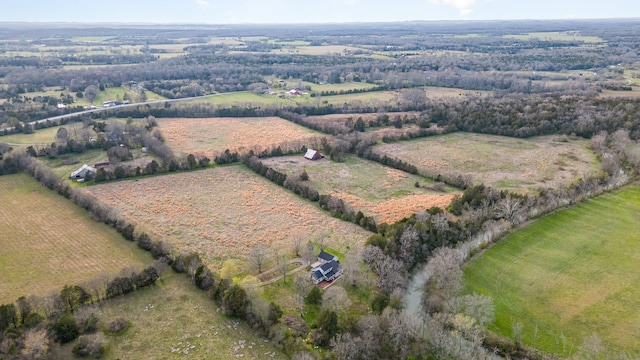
{"x":308,"y":11}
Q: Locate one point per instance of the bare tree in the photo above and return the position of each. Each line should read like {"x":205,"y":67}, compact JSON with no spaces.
{"x":257,"y":256}
{"x":36,"y":344}
{"x":335,"y":299}
{"x":301,"y":287}
{"x":352,"y":266}
{"x":403,"y":331}
{"x":281,"y":263}
{"x":296,"y":240}
{"x":445,"y":278}
{"x":510,"y":208}
{"x":409,"y":245}
{"x":309,"y":253}
{"x":478,"y":307}
{"x":303,"y":355}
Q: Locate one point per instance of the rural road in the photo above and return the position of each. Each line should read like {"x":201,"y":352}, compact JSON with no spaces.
{"x":56,"y":118}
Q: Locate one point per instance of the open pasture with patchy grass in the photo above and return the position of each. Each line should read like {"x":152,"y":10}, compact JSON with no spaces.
{"x":243,"y":98}
{"x":383,"y":192}
{"x":221,"y":213}
{"x":48,"y":242}
{"x":571,"y":274}
{"x":514,"y":164}
{"x":176,"y":320}
{"x":212,"y":136}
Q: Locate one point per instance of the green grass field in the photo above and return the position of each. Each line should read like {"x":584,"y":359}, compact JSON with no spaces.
{"x":39,"y":137}
{"x":241,"y":98}
{"x":117,"y":93}
{"x":570,"y":274}
{"x":48,"y":242}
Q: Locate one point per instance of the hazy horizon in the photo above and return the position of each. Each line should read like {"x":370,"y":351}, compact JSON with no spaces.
{"x":249,"y":12}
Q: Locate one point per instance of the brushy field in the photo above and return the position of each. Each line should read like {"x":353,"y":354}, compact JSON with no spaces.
{"x":222,"y":212}
{"x":212,"y":136}
{"x":48,"y":242}
{"x":176,"y":320}
{"x":571,"y":274}
{"x":340,"y":119}
{"x":385,"y":193}
{"x":521,"y":165}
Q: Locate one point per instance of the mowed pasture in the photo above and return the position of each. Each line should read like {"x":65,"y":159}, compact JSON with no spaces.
{"x":212,"y":136}
{"x":514,"y":164}
{"x":387,"y":194}
{"x":223,"y":212}
{"x":176,"y":320}
{"x":48,"y":242}
{"x":571,"y":274}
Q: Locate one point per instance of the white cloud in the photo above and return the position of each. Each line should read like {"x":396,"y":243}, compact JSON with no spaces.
{"x":464,"y":6}
{"x":202,"y":4}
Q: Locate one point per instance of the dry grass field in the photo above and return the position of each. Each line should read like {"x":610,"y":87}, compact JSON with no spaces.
{"x":385,"y":193}
{"x":48,"y":242}
{"x":222,"y":212}
{"x":521,"y":165}
{"x":212,"y":136}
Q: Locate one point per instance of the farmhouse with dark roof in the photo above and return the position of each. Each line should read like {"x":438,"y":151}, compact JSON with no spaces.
{"x":326,"y":269}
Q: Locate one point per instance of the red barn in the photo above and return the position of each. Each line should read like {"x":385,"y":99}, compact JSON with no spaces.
{"x":313,"y":155}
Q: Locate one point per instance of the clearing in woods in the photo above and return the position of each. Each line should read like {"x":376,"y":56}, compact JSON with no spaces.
{"x":220,"y":213}
{"x":48,"y":242}
{"x":387,"y":194}
{"x":212,"y":136}
{"x":521,"y":165}
{"x":571,"y":274}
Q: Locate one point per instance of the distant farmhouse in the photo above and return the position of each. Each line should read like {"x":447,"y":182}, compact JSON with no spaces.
{"x":326,"y":269}
{"x":313,"y":155}
{"x":82,"y":172}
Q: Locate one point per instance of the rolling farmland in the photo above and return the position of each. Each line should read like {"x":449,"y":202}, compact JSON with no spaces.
{"x":48,"y":242}
{"x":513,"y":164}
{"x":570,"y":274}
{"x":222,"y":212}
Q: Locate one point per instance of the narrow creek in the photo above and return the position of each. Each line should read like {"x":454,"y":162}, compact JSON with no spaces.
{"x":415,"y":290}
